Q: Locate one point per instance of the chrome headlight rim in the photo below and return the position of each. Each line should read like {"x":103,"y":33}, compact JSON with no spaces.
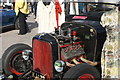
{"x":59,"y":65}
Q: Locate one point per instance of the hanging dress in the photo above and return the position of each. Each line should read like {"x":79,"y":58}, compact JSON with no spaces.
{"x":110,"y":60}
{"x":46,"y":17}
{"x":62,"y":15}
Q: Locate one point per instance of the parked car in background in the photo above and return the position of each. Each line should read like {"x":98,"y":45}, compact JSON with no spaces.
{"x":8,"y":19}
{"x":73,"y":52}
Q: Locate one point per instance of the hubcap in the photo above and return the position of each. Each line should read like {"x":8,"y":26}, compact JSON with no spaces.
{"x":86,"y":77}
{"x":19,"y":65}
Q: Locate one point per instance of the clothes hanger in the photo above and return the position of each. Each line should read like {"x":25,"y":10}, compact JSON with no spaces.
{"x":46,"y":2}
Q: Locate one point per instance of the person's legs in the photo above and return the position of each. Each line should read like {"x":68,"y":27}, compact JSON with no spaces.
{"x":32,"y":6}
{"x":22,"y":21}
{"x":35,"y":8}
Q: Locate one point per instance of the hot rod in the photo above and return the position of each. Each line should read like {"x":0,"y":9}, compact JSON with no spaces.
{"x":72,"y":52}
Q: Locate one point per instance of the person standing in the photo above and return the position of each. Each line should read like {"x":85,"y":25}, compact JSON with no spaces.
{"x":35,"y":8}
{"x":21,"y":9}
{"x":32,"y":6}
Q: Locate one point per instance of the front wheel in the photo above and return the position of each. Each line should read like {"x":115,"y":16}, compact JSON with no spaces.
{"x":13,"y":62}
{"x":82,"y":72}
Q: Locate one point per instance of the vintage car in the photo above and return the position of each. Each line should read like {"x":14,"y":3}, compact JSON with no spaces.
{"x":8,"y":20}
{"x":72,"y":52}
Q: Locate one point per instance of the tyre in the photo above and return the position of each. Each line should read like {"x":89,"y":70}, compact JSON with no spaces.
{"x":17,"y":26}
{"x":82,"y":72}
{"x":13,"y":62}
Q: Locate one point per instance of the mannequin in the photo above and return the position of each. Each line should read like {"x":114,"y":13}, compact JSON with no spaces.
{"x":46,"y":17}
{"x":46,"y":2}
{"x":111,"y":49}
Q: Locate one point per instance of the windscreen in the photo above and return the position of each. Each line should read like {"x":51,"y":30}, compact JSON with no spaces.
{"x":81,"y":8}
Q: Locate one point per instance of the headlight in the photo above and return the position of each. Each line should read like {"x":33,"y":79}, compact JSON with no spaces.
{"x":26,"y":54}
{"x":59,"y":65}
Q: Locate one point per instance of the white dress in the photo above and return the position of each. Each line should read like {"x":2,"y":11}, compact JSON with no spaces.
{"x":46,"y":17}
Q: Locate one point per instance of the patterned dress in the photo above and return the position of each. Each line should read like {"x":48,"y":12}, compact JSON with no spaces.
{"x":110,"y":60}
